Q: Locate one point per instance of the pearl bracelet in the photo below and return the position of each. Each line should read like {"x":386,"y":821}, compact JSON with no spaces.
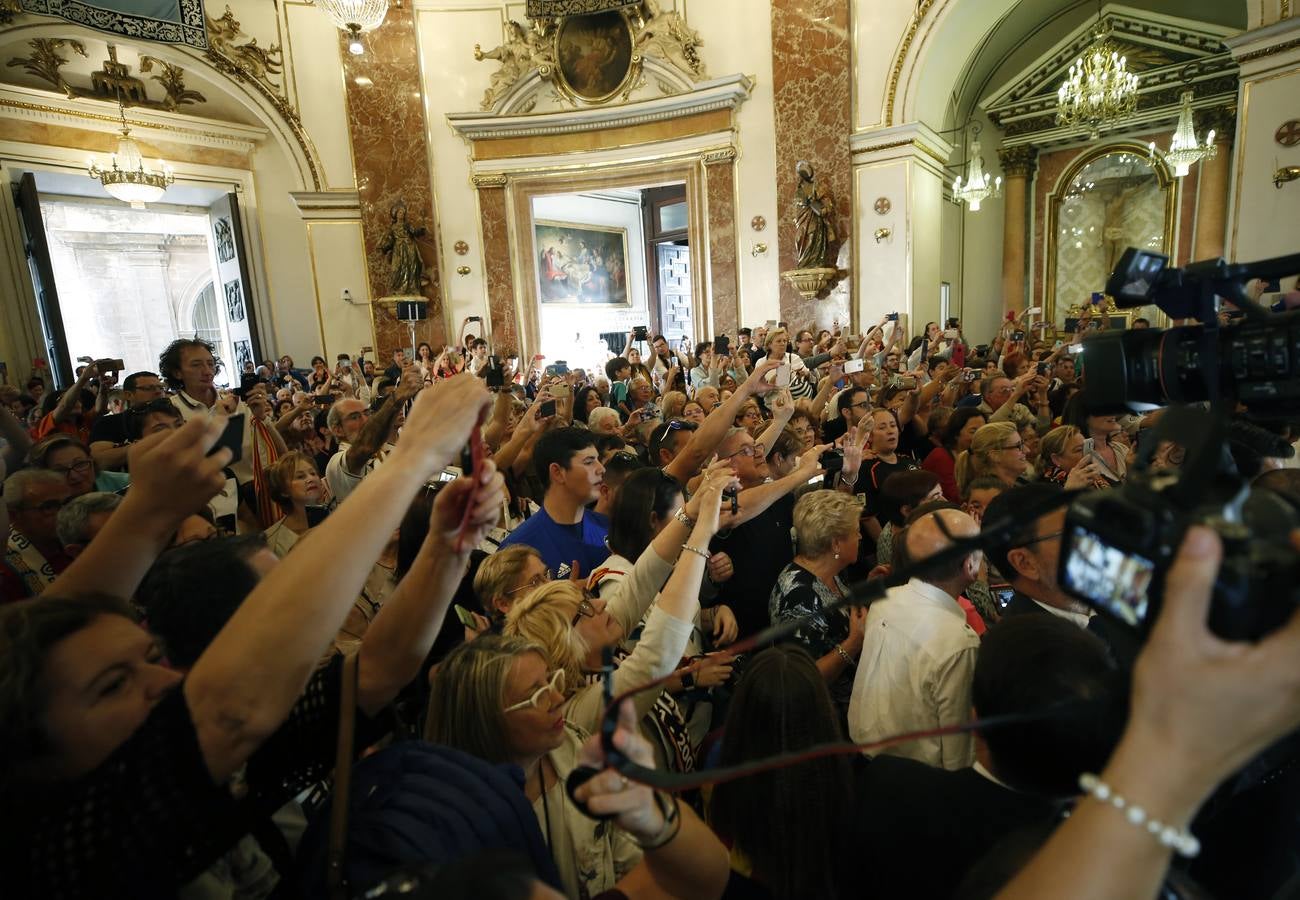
{"x":1181,"y":841}
{"x":703,"y":554}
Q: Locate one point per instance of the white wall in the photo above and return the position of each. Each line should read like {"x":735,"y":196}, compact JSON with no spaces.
{"x":570,"y":332}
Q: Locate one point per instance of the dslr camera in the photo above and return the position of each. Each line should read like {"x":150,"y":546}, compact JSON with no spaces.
{"x":1118,"y":545}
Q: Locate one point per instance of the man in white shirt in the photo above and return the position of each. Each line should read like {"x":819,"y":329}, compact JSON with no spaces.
{"x":362,"y":436}
{"x":918,"y":655}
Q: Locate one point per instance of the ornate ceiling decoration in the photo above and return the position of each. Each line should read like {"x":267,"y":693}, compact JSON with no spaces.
{"x":112,"y":82}
{"x":660,"y":44}
{"x":1170,"y":58}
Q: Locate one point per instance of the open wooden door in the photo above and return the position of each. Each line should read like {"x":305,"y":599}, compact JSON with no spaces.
{"x":37,"y":248}
{"x":234,"y":288}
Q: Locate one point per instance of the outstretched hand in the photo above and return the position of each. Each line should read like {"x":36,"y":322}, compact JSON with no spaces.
{"x":610,"y":793}
{"x":172,"y":475}
{"x":440,"y":422}
{"x":449,"y":506}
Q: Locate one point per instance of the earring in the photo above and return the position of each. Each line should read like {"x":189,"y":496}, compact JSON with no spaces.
{"x":837,"y":554}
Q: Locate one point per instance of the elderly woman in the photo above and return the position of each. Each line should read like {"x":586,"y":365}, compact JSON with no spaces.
{"x":954,"y":439}
{"x":64,"y":455}
{"x":640,"y":394}
{"x":604,"y":420}
{"x":995,"y":450}
{"x":498,"y":698}
{"x":1061,"y":459}
{"x":295,"y":484}
{"x":778,"y":347}
{"x":826,"y":535}
{"x":504,"y":577}
{"x":98,"y":730}
{"x":672,"y":404}
{"x":575,"y":629}
{"x":693,"y":411}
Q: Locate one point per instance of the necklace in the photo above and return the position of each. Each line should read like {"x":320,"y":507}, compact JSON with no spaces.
{"x":546,"y":807}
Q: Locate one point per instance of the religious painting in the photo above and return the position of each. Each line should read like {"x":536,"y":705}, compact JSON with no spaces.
{"x":581,"y":264}
{"x":225,"y":238}
{"x":234,"y":302}
{"x":243,"y":354}
{"x":1111,"y":199}
{"x":594,"y":55}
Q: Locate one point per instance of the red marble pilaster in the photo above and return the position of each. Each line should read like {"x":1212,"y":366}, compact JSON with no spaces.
{"x":497,"y":271}
{"x":389,"y":151}
{"x":720,"y":191}
{"x":812,"y":84}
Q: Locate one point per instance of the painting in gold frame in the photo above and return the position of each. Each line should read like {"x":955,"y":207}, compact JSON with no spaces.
{"x":580,"y":264}
{"x":594,"y":55}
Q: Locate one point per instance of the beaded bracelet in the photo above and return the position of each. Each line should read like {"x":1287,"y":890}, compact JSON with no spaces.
{"x":1181,"y":841}
{"x":703,"y":554}
{"x":845,"y":656}
{"x":686,"y":520}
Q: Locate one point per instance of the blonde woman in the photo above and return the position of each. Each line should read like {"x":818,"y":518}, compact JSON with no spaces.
{"x":672,"y":404}
{"x":1061,"y":459}
{"x":996,"y":450}
{"x":827,"y":535}
{"x":575,"y":628}
{"x":778,"y":347}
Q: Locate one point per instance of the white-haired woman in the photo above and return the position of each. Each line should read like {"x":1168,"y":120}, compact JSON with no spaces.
{"x":827,"y":536}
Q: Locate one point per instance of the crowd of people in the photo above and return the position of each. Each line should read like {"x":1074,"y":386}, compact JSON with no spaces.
{"x":291,"y":638}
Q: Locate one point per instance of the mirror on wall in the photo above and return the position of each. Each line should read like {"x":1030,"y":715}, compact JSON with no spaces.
{"x":1108,"y":200}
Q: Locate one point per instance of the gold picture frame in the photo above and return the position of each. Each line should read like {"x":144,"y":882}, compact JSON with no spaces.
{"x":580,"y":265}
{"x":595,"y":57}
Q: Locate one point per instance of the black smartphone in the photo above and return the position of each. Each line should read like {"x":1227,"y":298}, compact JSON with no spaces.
{"x":547,"y":409}
{"x":322,"y":399}
{"x":474,"y":319}
{"x":1003,"y":593}
{"x":892,"y":317}
{"x":732,"y":496}
{"x":640,"y":332}
{"x":832,"y":461}
{"x":722,"y":345}
{"x":1017,"y":335}
{"x":1042,"y":368}
{"x":232,"y":438}
{"x":316,"y":515}
{"x":970,"y":375}
{"x":496,"y":376}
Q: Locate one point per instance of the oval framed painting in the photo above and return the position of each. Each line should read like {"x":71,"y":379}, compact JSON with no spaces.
{"x":593,"y":55}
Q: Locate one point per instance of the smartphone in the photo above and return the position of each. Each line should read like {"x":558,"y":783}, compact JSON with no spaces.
{"x":474,"y":319}
{"x":722,"y":345}
{"x":232,"y":438}
{"x":854,"y":365}
{"x":1076,"y":349}
{"x":367,"y":349}
{"x":1088,"y":444}
{"x":316,"y":515}
{"x":1042,"y":368}
{"x":1097,"y":298}
{"x":322,"y":399}
{"x":892,"y":317}
{"x":906,"y":382}
{"x":832,"y":461}
{"x":559,"y":390}
{"x":782,"y":376}
{"x":496,"y":376}
{"x":561,"y":367}
{"x":547,"y":409}
{"x":449,"y":475}
{"x":771,"y":323}
{"x":951,"y":334}
{"x":466,"y":617}
{"x":1017,"y":335}
{"x":109,"y":365}
{"x":731,"y":495}
{"x":970,"y":375}
{"x":1034,"y":311}
{"x":1003,"y":593}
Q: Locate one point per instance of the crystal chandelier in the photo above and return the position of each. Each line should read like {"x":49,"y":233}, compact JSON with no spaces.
{"x":979,"y":186}
{"x":1183,"y":150}
{"x":127,"y":179}
{"x":355,"y":17}
{"x":1099,"y":91}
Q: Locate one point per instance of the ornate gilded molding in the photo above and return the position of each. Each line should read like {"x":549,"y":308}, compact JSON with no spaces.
{"x":9,"y":9}
{"x":113,"y":81}
{"x":257,"y":63}
{"x":896,"y":72}
{"x":1018,"y":162}
{"x":713,"y":157}
{"x":1268,"y":51}
{"x":494,"y":180}
{"x":528,"y":52}
{"x":537,"y":9}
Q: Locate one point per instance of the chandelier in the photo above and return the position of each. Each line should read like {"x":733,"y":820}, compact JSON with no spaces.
{"x":1099,"y":91}
{"x":979,"y":185}
{"x":1183,"y":150}
{"x":355,"y":17}
{"x":127,"y":179}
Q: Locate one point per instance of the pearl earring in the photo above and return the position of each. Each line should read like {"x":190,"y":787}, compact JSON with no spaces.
{"x":837,"y":555}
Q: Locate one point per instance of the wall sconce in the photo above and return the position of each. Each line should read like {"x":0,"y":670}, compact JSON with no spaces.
{"x":882,"y":234}
{"x":462,"y":270}
{"x":1285,"y":174}
{"x":347,"y":298}
{"x":757,"y":249}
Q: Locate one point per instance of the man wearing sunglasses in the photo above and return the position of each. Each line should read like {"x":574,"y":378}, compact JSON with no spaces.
{"x":33,"y":554}
{"x":108,"y":435}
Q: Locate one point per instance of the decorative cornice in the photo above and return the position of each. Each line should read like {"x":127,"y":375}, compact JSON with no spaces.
{"x":725,"y":155}
{"x":720,"y":93}
{"x":1018,"y":162}
{"x":49,"y":108}
{"x":922,"y":142}
{"x":331,"y":205}
{"x":494,"y":180}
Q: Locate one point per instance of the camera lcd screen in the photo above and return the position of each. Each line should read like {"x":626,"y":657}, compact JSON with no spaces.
{"x":1106,"y":577}
{"x":1140,"y":276}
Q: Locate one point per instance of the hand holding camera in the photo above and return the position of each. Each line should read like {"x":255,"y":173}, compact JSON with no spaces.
{"x":440,"y":421}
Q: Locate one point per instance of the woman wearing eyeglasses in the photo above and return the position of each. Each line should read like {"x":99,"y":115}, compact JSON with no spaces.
{"x":65,"y":455}
{"x":575,"y":628}
{"x":996,"y":450}
{"x":498,"y":699}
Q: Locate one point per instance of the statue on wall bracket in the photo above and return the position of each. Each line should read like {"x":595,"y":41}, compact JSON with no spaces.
{"x":406,"y":275}
{"x":592,"y":51}
{"x":814,"y":213}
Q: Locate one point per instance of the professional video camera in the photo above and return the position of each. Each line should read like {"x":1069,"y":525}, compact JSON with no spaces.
{"x":1256,"y":361}
{"x":1118,"y":545}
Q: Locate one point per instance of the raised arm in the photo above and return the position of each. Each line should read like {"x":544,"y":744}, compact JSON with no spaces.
{"x":63,"y":410}
{"x":756,"y":499}
{"x":245,"y":683}
{"x":375,"y":431}
{"x":18,"y":440}
{"x":705,"y":440}
{"x":782,"y":406}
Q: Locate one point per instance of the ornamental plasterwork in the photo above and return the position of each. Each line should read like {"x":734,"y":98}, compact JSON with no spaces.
{"x":663,"y":46}
{"x":113,"y":81}
{"x":257,"y":63}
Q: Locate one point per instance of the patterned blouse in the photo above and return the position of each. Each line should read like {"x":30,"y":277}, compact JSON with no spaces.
{"x":799,"y":593}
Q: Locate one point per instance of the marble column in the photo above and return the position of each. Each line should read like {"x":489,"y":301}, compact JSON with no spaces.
{"x":390,"y":154}
{"x":812,"y":80}
{"x":497,"y":272}
{"x":1017,"y":165}
{"x":1212,"y":189}
{"x":720,"y":189}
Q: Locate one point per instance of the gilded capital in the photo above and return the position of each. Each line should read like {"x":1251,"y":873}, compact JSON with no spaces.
{"x":1018,"y":162}
{"x":723,"y":155}
{"x":489,"y":181}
